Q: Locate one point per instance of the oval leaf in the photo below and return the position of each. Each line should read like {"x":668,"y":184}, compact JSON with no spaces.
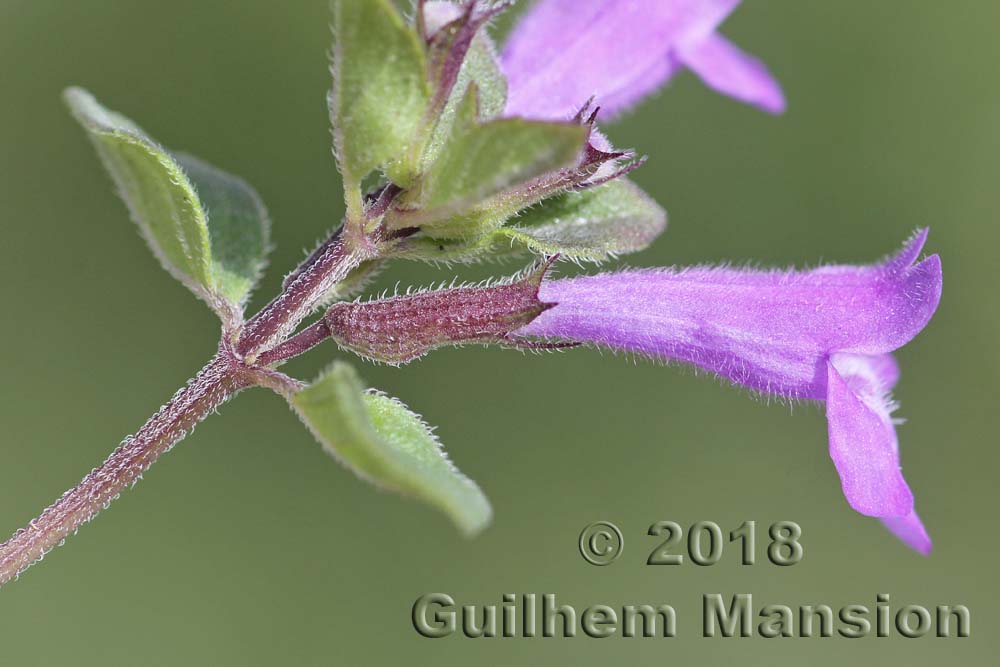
{"x":159,"y":195}
{"x":586,"y":225}
{"x":382,"y":441}
{"x":456,"y":37}
{"x":238,"y":227}
{"x":592,"y":224}
{"x":482,"y":70}
{"x":480,"y":163}
{"x":481,"y":67}
{"x":218,"y":256}
{"x":380,"y":90}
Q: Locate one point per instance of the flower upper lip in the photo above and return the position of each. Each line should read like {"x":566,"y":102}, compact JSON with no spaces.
{"x":564,"y":51}
{"x":768,"y":330}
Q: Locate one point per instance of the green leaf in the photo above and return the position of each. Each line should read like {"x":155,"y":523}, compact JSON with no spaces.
{"x":481,"y":69}
{"x":382,"y":441}
{"x":238,"y":228}
{"x":158,"y":194}
{"x":220,"y":257}
{"x":483,"y":161}
{"x":497,"y":155}
{"x":587,"y":225}
{"x":380,"y":89}
{"x":592,"y":224}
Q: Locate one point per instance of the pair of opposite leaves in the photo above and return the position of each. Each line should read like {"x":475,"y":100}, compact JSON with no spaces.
{"x":210,"y":231}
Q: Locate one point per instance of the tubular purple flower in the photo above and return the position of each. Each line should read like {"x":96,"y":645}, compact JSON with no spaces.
{"x":824,"y":334}
{"x":562,"y":52}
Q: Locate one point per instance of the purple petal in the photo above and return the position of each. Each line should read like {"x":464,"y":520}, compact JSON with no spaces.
{"x":885,"y":369}
{"x":771,"y":331}
{"x":562,"y":52}
{"x":863,"y":442}
{"x":910,"y":530}
{"x":728,"y":70}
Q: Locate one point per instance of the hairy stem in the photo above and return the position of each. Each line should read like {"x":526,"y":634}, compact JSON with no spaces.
{"x":235,"y":367}
{"x":302,"y":294}
{"x":300,"y":343}
{"x":213,"y":385}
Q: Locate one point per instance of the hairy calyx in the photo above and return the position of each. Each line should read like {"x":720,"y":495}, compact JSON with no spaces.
{"x":402,"y":328}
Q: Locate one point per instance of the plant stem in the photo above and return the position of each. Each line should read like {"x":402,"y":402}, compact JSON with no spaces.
{"x":213,"y":385}
{"x":280,"y":317}
{"x":235,"y":367}
{"x":300,"y":343}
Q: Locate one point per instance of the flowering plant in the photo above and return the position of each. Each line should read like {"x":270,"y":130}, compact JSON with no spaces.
{"x":452,"y":152}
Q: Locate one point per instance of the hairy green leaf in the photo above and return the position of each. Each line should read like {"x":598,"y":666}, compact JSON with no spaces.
{"x":380,"y":89}
{"x":218,"y":257}
{"x":483,"y":161}
{"x":481,"y":67}
{"x":494,"y":156}
{"x":238,"y":228}
{"x":482,"y":70}
{"x":592,"y":224}
{"x":382,"y":441}
{"x":158,"y":194}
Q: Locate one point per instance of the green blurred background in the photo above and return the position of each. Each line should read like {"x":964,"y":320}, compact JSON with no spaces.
{"x":248,"y":546}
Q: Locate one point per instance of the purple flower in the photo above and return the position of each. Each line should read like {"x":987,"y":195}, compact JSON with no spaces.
{"x":824,"y":334}
{"x":562,"y":52}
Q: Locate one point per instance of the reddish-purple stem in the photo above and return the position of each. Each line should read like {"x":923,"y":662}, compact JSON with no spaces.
{"x":211,"y":387}
{"x":232,"y":369}
{"x":426,"y":321}
{"x":279,"y":318}
{"x":300,"y":343}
